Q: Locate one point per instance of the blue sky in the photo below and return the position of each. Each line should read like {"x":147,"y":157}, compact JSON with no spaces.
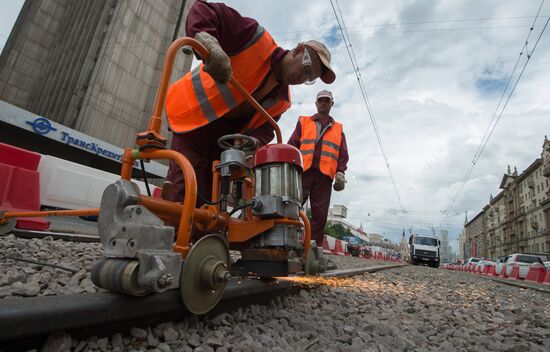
{"x":8,"y":14}
{"x":434,"y":71}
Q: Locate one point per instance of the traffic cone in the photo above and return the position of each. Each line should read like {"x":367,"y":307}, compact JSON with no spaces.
{"x":515,"y":272}
{"x":536,"y":273}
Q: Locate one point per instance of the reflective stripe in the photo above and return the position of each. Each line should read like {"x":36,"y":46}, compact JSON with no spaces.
{"x":331,"y":144}
{"x":227,"y":95}
{"x":330,"y":155}
{"x":206,"y":107}
{"x":308,"y":141}
{"x":307,"y":152}
{"x":259,"y":32}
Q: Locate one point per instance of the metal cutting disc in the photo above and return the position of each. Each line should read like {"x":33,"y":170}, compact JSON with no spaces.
{"x":204,"y":275}
{"x":7,"y":226}
{"x":312,"y":265}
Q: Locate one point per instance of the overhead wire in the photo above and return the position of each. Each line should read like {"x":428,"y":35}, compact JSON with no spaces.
{"x":495,"y":119}
{"x":355,"y":64}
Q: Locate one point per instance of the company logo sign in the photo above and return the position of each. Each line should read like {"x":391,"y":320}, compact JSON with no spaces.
{"x":41,"y":125}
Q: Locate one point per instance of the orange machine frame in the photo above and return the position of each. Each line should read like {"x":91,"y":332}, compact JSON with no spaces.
{"x":207,"y":217}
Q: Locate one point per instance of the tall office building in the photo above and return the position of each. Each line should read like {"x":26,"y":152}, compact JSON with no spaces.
{"x":445,"y":249}
{"x":91,"y":68}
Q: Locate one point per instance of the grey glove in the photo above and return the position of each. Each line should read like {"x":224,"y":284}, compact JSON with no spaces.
{"x":218,"y":64}
{"x":339,"y":181}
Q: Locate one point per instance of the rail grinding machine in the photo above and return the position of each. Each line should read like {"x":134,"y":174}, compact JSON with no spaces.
{"x":255,"y":208}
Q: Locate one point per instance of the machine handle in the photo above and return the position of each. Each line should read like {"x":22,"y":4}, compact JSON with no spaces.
{"x":155,"y":122}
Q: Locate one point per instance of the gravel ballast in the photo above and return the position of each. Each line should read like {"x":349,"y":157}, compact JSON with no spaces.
{"x":405,"y":309}
{"x":64,"y":267}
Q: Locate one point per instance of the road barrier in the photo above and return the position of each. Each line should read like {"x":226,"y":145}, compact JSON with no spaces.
{"x":514,"y":274}
{"x":536,"y":273}
{"x":20,"y":185}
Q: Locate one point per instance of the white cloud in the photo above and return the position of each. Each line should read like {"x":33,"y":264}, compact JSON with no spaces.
{"x":435,"y":71}
{"x":433,"y":87}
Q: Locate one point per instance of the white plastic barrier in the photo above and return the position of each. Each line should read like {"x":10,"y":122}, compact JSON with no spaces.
{"x":68,"y":185}
{"x":331,"y":241}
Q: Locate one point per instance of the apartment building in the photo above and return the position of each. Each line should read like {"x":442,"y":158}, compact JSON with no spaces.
{"x":518,"y":218}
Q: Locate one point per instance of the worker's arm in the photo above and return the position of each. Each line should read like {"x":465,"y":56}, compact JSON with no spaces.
{"x":232,"y":30}
{"x":296,"y":136}
{"x":343,"y":158}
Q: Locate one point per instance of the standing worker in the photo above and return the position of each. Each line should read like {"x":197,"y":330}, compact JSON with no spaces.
{"x":325,"y":154}
{"x":202,"y":107}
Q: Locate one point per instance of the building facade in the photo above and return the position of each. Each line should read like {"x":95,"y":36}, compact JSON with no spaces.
{"x":92,"y":66}
{"x":473,"y":234}
{"x":518,"y":218}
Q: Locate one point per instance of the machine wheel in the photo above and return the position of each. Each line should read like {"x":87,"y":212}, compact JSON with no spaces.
{"x":118,"y":275}
{"x":204,"y":275}
{"x":8,"y":225}
{"x":312,"y":265}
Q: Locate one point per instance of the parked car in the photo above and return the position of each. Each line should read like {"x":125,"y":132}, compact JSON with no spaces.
{"x":543,"y":256}
{"x":546,"y":265}
{"x":524,"y":261}
{"x":484,"y":263}
{"x":471,"y":261}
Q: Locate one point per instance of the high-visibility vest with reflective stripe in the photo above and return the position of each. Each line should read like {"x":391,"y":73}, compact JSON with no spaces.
{"x":330,"y":145}
{"x":274,"y":106}
{"x":196,"y":99}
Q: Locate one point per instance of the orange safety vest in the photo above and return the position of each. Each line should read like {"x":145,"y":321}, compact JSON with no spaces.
{"x":274,"y":106}
{"x":196,"y":99}
{"x":330,"y":139}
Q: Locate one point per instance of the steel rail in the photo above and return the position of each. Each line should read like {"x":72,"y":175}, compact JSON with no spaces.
{"x":71,"y":237}
{"x":529,"y":285}
{"x":25,"y":323}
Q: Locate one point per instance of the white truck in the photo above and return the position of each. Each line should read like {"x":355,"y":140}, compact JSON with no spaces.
{"x":424,"y":249}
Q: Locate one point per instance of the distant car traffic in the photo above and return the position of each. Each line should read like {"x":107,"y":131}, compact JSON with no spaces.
{"x":471,"y":262}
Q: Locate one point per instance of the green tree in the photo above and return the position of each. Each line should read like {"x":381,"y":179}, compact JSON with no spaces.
{"x":337,"y":231}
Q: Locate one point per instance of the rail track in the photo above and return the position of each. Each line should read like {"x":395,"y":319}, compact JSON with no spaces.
{"x":26,"y":323}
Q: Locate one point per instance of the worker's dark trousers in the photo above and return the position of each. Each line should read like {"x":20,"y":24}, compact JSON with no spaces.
{"x":201,"y":150}
{"x":318,"y":187}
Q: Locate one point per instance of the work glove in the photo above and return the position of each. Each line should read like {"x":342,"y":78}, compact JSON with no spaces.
{"x":339,"y":181}
{"x":218,"y":64}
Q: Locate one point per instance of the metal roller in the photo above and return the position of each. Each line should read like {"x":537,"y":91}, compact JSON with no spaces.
{"x":118,"y":275}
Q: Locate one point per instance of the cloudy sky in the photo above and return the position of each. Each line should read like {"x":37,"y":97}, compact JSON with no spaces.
{"x":434,"y":72}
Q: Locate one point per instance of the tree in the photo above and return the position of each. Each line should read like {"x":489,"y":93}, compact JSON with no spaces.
{"x":337,"y":231}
